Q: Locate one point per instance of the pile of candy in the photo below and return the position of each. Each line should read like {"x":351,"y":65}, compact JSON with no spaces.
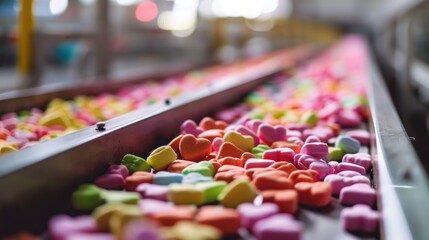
{"x":26,"y":128}
{"x":295,"y":144}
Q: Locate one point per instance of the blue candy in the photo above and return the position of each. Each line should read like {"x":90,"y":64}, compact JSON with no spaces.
{"x":195,"y":177}
{"x":347,"y":144}
{"x":166,"y":178}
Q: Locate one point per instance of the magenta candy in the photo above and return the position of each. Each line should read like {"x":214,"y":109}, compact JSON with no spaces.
{"x":279,"y":154}
{"x":190,"y":127}
{"x":62,"y":226}
{"x":348,"y":118}
{"x":279,"y":226}
{"x":349,"y":173}
{"x":358,"y":194}
{"x":360,"y":218}
{"x":269,"y":134}
{"x":295,"y":140}
{"x":111,"y":181}
{"x":329,"y":110}
{"x":153,"y":191}
{"x":338,"y":182}
{"x":120,"y":169}
{"x":258,"y":163}
{"x":303,"y":161}
{"x":315,"y":149}
{"x":344,"y":166}
{"x":323,"y":136}
{"x":251,"y":214}
{"x":297,"y":127}
{"x":361,"y":159}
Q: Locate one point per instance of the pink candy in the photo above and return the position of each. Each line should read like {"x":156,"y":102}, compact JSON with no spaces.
{"x":338,"y":182}
{"x":153,"y":191}
{"x":279,"y":226}
{"x":358,"y":194}
{"x":269,"y":134}
{"x":360,"y":218}
{"x":315,"y":149}
{"x":345,"y":166}
{"x":258,"y":163}
{"x":251,"y":214}
{"x":246,"y":131}
{"x":362,"y":136}
{"x":361,"y":159}
{"x":279,"y":154}
{"x":190,"y":127}
{"x":62,"y":226}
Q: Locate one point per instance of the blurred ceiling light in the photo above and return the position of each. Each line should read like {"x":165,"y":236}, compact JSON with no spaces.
{"x":183,"y":33}
{"x":58,"y":6}
{"x":239,"y":8}
{"x":125,"y":2}
{"x":175,"y":21}
{"x":146,"y":11}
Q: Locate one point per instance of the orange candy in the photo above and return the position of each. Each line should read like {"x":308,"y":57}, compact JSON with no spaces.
{"x":231,"y":161}
{"x":227,"y":220}
{"x":178,"y":165}
{"x":229,"y":176}
{"x":211,"y":134}
{"x":287,"y":200}
{"x":272,"y":180}
{"x":208,"y":123}
{"x":228,"y":149}
{"x":317,"y":194}
{"x":169,"y":218}
{"x":253,"y":172}
{"x":303,"y":176}
{"x":131,"y":182}
{"x":283,"y":144}
{"x":245,"y":156}
{"x":286,"y":167}
{"x":175,"y":144}
{"x":194,"y":149}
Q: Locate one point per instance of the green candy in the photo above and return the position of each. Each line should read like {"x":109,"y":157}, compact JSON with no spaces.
{"x":259,"y":150}
{"x":204,"y":168}
{"x":310,"y":118}
{"x":135,"y":163}
{"x":121,"y":197}
{"x":211,"y":190}
{"x":87,"y":197}
{"x":335,"y":153}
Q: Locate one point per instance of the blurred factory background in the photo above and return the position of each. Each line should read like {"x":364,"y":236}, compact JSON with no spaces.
{"x":45,"y":42}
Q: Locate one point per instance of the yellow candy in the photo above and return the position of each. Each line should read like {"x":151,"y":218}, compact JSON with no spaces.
{"x":239,"y":191}
{"x":241,"y":141}
{"x":193,"y":231}
{"x":161,"y":157}
{"x":55,"y":118}
{"x":103,"y":213}
{"x":7,"y":148}
{"x":185,"y":194}
{"x":119,"y":219}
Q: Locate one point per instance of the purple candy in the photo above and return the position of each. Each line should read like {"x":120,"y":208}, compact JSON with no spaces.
{"x":120,"y":169}
{"x":111,"y":181}
{"x":322,"y":168}
{"x":361,"y":135}
{"x":151,"y":206}
{"x":312,"y":139}
{"x":279,"y":226}
{"x":349,"y":173}
{"x":360,"y":218}
{"x":251,"y":214}
{"x":140,"y":230}
{"x":62,"y":226}
{"x":345,"y":166}
{"x":190,"y":127}
{"x":338,"y":182}
{"x":153,"y":191}
{"x":358,"y":194}
{"x":361,"y":159}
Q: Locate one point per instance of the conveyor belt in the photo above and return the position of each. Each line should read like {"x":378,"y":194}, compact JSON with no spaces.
{"x":53,"y":169}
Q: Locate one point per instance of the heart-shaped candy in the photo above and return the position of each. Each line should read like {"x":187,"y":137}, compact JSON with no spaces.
{"x":194,"y":149}
{"x":250,"y":214}
{"x":269,"y":134}
{"x":190,"y":127}
{"x":243,"y":142}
